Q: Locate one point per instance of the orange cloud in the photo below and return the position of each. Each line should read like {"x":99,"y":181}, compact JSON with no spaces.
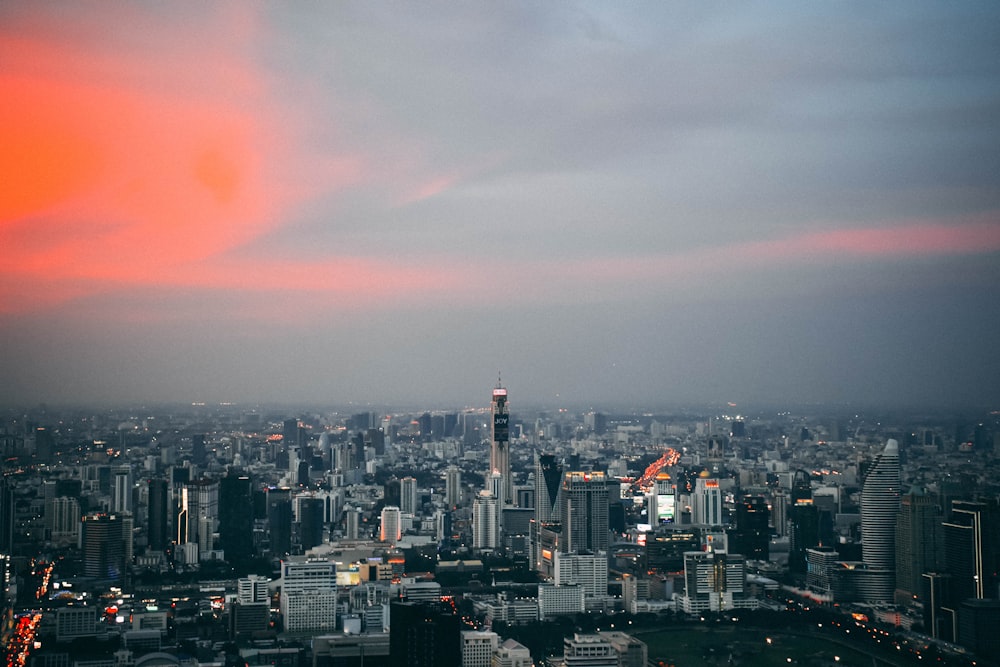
{"x":119,"y":167}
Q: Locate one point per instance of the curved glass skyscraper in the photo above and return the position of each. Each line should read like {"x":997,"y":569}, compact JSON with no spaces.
{"x":879,"y":506}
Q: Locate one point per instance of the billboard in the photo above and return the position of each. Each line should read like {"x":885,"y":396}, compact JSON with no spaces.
{"x":665,"y":508}
{"x":501,"y":431}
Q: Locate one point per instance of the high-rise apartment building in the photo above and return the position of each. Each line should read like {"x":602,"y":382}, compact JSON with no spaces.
{"x":408,"y":495}
{"x":391,"y":524}
{"x":500,"y":444}
{"x":486,"y":522}
{"x":453,"y":487}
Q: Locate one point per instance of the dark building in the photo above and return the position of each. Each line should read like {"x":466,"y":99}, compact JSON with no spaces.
{"x":665,"y":548}
{"x":424,"y":635}
{"x":6,"y":516}
{"x":279,"y":521}
{"x":584,"y":512}
{"x":103,"y":545}
{"x":803,"y":532}
{"x":972,"y":548}
{"x":158,"y":512}
{"x":978,"y":621}
{"x":236,"y":515}
{"x":198,"y":448}
{"x":310,"y":523}
{"x":752,"y":535}
{"x":918,"y":541}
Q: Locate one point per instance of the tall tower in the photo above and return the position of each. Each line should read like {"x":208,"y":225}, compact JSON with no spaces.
{"x":500,"y":444}
{"x":879,"y":506}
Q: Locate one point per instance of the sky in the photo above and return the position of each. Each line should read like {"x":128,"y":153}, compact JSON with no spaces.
{"x":618,"y":204}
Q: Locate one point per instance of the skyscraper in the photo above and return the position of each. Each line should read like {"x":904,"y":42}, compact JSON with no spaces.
{"x":500,"y":444}
{"x":706,"y":502}
{"x":408,"y":495}
{"x":453,"y":487}
{"x":103,"y":546}
{"x":157,"y":514}
{"x":236,"y":518}
{"x":584,"y":512}
{"x":919,"y":541}
{"x":548,"y":481}
{"x":879,"y":506}
{"x":485,"y":522}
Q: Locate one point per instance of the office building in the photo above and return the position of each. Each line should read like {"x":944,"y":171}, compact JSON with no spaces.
{"x":714,"y":581}
{"x":236,"y":518}
{"x":919,"y":542}
{"x":706,"y":502}
{"x":308,"y":600}
{"x":584,"y":512}
{"x":972,"y":548}
{"x":158,"y":533}
{"x":103,"y":546}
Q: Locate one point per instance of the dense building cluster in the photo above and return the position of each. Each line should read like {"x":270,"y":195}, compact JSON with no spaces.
{"x":231,"y":535}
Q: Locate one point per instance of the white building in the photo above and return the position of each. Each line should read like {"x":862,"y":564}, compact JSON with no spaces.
{"x":560,"y":600}
{"x":485,"y":522}
{"x":589,"y":570}
{"x":478,"y":647}
{"x":706,"y":502}
{"x":308,"y":600}
{"x":511,"y":654}
{"x":588,"y":651}
{"x":392,"y":524}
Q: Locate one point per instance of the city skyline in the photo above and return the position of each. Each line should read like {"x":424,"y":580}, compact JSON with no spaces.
{"x":642,"y":205}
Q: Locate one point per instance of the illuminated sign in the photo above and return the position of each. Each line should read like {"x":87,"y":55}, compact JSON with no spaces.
{"x":665,"y":508}
{"x":546,"y":554}
{"x":500,"y":427}
{"x":711,"y":483}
